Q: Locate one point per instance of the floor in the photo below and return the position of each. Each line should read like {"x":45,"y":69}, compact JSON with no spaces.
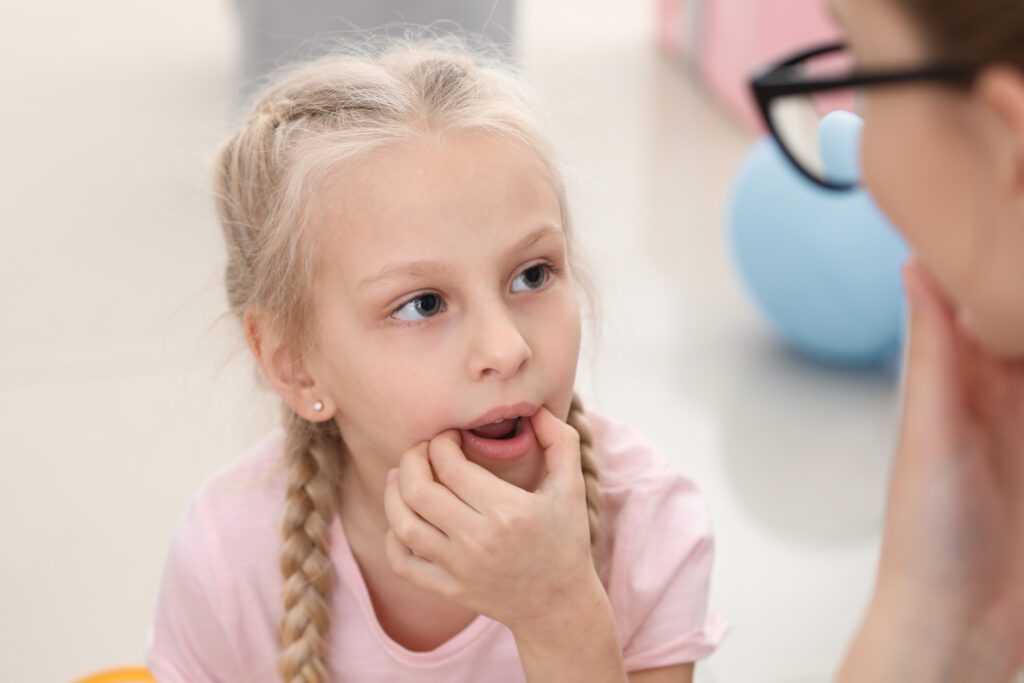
{"x":120,"y":391}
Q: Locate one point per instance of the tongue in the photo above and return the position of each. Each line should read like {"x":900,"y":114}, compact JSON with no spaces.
{"x":496,"y":430}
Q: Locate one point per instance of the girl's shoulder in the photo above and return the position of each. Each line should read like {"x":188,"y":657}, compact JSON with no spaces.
{"x":657,"y":549}
{"x":219,"y":592}
{"x":238,"y":507}
{"x":258,"y":469}
{"x":626,"y":458}
{"x":640,"y":486}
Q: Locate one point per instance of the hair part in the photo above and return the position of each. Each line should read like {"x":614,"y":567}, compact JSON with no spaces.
{"x":309,"y":123}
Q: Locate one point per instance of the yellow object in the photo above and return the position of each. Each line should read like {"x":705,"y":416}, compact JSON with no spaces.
{"x":134,"y":674}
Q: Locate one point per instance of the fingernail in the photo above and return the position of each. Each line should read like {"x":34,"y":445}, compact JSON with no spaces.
{"x":392,"y":474}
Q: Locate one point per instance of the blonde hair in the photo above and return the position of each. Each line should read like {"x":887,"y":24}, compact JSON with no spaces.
{"x":312,"y":119}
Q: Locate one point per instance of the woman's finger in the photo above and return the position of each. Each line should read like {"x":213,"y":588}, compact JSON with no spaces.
{"x":932,"y":386}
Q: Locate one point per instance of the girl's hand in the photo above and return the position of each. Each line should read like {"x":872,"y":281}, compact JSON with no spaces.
{"x":488,"y":545}
{"x":950,"y":586}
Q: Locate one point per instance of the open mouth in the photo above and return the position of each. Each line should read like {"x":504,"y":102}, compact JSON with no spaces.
{"x":506,"y":439}
{"x":502,"y":430}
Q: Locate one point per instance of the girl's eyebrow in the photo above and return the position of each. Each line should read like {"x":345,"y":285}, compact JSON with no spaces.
{"x":426,"y":269}
{"x":410,"y":270}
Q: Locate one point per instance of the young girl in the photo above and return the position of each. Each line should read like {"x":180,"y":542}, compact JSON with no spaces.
{"x":437,"y":505}
{"x":943,"y":151}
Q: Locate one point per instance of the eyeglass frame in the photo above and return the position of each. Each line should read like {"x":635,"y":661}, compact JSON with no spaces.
{"x":778,"y":80}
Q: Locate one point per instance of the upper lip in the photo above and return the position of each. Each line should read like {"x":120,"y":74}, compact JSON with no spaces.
{"x":503,"y":413}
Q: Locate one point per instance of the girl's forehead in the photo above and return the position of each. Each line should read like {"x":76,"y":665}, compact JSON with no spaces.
{"x":435,"y":199}
{"x":415,"y":266}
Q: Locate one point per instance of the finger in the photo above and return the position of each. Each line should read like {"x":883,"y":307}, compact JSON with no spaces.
{"x":417,"y":534}
{"x":561,"y":445}
{"x":430,"y":500}
{"x":416,"y":570}
{"x":932,"y":382}
{"x":474,"y":485}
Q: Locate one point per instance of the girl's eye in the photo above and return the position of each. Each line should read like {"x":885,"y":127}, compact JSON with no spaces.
{"x":532,"y":278}
{"x":420,"y":308}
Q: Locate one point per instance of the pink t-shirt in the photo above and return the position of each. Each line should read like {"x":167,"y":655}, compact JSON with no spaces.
{"x":220,"y":606}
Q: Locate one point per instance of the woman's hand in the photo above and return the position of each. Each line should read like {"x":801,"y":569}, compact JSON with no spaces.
{"x":488,"y":545}
{"x":949,"y":598}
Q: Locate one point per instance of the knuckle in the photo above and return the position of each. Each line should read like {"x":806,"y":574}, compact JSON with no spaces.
{"x":416,"y":493}
{"x":435,"y":454}
{"x":512,"y":520}
{"x":408,"y":457}
{"x":400,"y":568}
{"x":406,"y":531}
{"x":456,"y":593}
{"x":507,"y":519}
{"x":480,"y":539}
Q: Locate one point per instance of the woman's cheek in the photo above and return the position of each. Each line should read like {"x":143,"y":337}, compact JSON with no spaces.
{"x":877,"y":166}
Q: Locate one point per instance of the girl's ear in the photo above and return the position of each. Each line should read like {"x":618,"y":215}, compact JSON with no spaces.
{"x":1000,"y":89}
{"x":286,"y":374}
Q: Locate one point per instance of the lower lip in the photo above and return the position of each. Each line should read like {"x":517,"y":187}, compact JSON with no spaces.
{"x":500,"y":449}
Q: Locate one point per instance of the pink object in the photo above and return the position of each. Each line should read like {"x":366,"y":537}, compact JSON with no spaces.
{"x":727,"y":41}
{"x":219,"y":607}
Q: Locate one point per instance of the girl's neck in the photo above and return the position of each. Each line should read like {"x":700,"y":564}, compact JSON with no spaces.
{"x":361,"y":504}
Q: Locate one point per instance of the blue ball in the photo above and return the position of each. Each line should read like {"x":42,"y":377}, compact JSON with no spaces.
{"x":823,"y":267}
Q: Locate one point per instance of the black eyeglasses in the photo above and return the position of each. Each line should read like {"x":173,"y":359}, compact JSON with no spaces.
{"x":797,"y":93}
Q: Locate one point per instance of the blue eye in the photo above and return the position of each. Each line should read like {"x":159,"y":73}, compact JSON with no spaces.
{"x":420,"y":308}
{"x":533,"y":278}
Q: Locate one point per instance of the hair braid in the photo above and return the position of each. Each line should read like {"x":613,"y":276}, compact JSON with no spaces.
{"x":588,"y":463}
{"x":312,"y":453}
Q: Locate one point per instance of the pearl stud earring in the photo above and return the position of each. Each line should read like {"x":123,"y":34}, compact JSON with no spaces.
{"x":318,"y":406}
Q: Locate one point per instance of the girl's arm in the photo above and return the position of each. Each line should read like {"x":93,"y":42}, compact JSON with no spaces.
{"x":577,"y":642}
{"x":581,"y":644}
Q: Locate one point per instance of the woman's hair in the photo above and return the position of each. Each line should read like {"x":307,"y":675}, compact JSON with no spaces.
{"x":970,"y":31}
{"x":313,"y":120}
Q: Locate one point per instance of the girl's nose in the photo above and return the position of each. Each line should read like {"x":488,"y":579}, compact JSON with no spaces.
{"x":497,"y":348}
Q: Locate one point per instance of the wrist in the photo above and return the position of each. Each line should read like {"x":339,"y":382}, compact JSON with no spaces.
{"x":576,"y":642}
{"x":586,"y":602}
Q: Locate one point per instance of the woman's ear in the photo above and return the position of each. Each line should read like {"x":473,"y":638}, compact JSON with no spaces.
{"x":289,"y":377}
{"x":1000,"y":89}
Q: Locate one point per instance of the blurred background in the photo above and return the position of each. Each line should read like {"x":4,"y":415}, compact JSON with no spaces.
{"x":120,"y":392}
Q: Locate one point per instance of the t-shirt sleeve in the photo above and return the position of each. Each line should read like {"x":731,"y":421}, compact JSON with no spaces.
{"x":669,"y":552}
{"x":188,"y":642}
